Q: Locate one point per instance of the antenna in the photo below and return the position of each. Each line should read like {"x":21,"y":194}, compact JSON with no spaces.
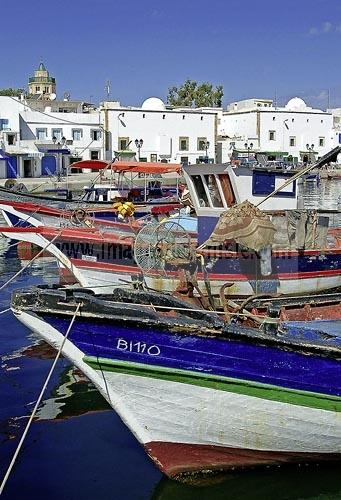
{"x":107,"y":89}
{"x":328,"y":99}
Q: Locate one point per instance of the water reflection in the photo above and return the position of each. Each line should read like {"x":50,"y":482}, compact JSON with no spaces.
{"x":25,"y":361}
{"x":314,"y":483}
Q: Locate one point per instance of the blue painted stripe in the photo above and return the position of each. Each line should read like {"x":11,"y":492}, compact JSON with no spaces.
{"x":216,"y":356}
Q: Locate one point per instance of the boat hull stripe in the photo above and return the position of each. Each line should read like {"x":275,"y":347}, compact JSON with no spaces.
{"x":245,"y":387}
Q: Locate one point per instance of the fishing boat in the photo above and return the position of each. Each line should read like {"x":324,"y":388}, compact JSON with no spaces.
{"x":121,"y":217}
{"x":115,"y":182}
{"x":201,"y":394}
{"x":302,"y":256}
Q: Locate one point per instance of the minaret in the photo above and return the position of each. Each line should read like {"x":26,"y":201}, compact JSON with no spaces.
{"x":41,"y":83}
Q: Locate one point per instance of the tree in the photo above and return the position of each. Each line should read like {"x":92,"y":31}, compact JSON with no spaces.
{"x":12,"y":92}
{"x":192,"y":94}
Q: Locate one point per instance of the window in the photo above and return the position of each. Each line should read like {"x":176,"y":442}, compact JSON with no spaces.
{"x":41,"y":134}
{"x":292,"y":141}
{"x":292,"y":119}
{"x":3,"y":123}
{"x":272,"y":135}
{"x":57,"y":133}
{"x":37,"y":89}
{"x":211,"y":183}
{"x":183,"y":117}
{"x":163,"y":117}
{"x":46,"y":90}
{"x":144,"y":115}
{"x":94,"y":155}
{"x":201,"y":143}
{"x":153,"y":157}
{"x":273,"y":118}
{"x":95,"y":135}
{"x":200,"y":190}
{"x":11,"y":139}
{"x":184,"y":159}
{"x":226,"y":186}
{"x":77,"y":134}
{"x":183,"y":143}
{"x":321,"y":142}
{"x":123,"y":143}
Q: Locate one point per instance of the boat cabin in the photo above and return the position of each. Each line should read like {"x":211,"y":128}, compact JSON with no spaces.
{"x":215,"y":188}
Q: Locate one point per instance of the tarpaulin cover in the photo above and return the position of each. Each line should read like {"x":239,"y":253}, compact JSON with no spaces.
{"x":245,"y":224}
{"x":129,"y":166}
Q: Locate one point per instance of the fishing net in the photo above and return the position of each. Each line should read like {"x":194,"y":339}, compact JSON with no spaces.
{"x":245,"y":224}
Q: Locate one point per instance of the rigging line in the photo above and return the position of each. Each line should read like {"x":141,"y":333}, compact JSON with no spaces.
{"x":5,"y":310}
{"x":110,"y":164}
{"x":86,"y":147}
{"x":27,"y":217}
{"x":9,"y":470}
{"x":31,"y":261}
{"x":100,"y":366}
{"x":298,"y":175}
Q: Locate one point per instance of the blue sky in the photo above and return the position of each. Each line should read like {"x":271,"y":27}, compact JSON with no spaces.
{"x":253,"y":48}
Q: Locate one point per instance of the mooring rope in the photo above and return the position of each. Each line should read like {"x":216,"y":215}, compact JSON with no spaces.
{"x":30,"y":262}
{"x":5,"y":310}
{"x":13,"y":244}
{"x":9,"y":470}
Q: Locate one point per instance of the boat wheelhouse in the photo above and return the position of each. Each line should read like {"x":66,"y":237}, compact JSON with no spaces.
{"x":216,"y":188}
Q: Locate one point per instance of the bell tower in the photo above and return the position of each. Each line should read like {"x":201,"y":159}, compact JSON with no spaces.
{"x":42,"y":83}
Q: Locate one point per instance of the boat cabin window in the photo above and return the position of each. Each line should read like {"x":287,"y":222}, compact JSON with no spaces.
{"x":211,"y":183}
{"x":226,"y":187}
{"x":200,"y":190}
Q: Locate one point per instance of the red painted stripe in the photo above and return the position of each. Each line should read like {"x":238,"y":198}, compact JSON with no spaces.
{"x":217,"y":277}
{"x":92,"y":235}
{"x":175,"y":459}
{"x":104,"y":266}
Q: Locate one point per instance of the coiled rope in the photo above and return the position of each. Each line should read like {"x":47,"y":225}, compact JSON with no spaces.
{"x":9,"y":470}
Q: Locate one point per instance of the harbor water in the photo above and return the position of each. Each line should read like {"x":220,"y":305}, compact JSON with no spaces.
{"x":78,"y":448}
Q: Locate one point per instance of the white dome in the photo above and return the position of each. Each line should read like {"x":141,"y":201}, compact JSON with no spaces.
{"x":153,"y":104}
{"x":296,"y":103}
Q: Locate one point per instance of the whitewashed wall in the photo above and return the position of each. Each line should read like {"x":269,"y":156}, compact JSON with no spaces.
{"x":161,"y":130}
{"x":307,"y":127}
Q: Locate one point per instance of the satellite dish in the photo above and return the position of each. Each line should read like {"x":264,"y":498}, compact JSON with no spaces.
{"x":53,"y":96}
{"x":162,"y":247}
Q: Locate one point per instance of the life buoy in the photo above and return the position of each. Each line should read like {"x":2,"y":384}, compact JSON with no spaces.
{"x":78,"y":216}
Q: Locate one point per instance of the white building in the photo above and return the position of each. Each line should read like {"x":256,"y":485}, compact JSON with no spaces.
{"x":41,"y":137}
{"x":295,"y":131}
{"x":177,"y":135}
{"x":336,"y":112}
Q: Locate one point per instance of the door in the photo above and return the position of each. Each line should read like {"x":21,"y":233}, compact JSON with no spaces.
{"x":48,"y":165}
{"x":11,"y":167}
{"x":28,"y":168}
